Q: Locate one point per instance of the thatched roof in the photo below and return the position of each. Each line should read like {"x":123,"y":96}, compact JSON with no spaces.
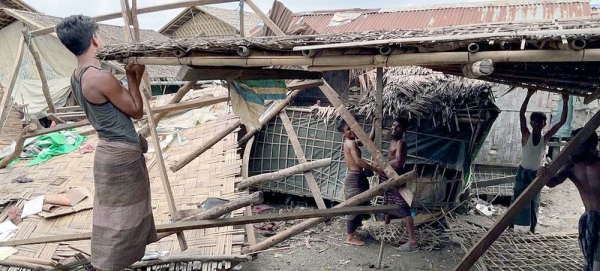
{"x":6,"y":19}
{"x":227,"y":16}
{"x":569,"y":75}
{"x":423,"y":93}
{"x":110,"y":35}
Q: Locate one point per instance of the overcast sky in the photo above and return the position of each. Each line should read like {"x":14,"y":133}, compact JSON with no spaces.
{"x":63,"y":8}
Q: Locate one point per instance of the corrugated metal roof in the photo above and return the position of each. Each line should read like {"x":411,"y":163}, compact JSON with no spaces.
{"x":446,"y":15}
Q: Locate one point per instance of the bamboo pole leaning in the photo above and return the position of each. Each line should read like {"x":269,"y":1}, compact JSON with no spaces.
{"x":284,"y":173}
{"x":7,"y":96}
{"x":176,"y":98}
{"x":40,"y":68}
{"x":18,"y":146}
{"x":309,"y":223}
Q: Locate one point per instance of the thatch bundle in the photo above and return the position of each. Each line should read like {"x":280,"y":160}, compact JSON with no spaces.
{"x":423,"y":93}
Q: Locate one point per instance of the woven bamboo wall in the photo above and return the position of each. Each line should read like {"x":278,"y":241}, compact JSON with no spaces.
{"x":204,"y":25}
{"x":12,"y":128}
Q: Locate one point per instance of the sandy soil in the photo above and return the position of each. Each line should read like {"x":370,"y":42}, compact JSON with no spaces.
{"x":559,"y":212}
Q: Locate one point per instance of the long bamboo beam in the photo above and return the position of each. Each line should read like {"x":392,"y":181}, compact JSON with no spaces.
{"x":7,"y":96}
{"x":40,"y":68}
{"x":126,"y":13}
{"x":214,"y":213}
{"x":215,"y":223}
{"x":265,"y":18}
{"x":309,"y":223}
{"x":197,"y":103}
{"x":373,"y":61}
{"x":297,"y":88}
{"x":284,"y":173}
{"x":535,"y":187}
{"x":149,"y":9}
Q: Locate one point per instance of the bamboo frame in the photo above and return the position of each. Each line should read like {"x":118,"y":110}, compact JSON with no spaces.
{"x":152,"y":126}
{"x":284,"y":173}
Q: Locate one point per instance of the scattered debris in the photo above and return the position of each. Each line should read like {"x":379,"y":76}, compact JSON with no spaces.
{"x":257,"y":209}
{"x":22,"y":179}
{"x":88,"y":148}
{"x":33,"y":206}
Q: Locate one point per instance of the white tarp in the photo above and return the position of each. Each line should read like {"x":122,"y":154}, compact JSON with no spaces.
{"x":57,"y":61}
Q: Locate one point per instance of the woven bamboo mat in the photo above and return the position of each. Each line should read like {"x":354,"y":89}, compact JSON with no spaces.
{"x":213,"y":174}
{"x":521,"y":251}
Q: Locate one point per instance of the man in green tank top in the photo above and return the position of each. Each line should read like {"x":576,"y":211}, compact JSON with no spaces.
{"x":122,"y":223}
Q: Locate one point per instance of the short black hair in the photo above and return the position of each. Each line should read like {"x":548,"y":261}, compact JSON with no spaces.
{"x":538,"y":116}
{"x":76,"y":32}
{"x":341,"y":124}
{"x":402,"y":121}
{"x":592,"y":141}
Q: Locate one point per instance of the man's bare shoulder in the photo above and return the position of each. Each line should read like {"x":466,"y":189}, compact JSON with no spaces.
{"x":350,"y":144}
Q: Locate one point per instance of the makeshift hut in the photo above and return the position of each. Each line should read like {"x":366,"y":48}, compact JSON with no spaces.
{"x":449,"y":118}
{"x":210,"y":22}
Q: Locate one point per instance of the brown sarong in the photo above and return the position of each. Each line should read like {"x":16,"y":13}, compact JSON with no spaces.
{"x":355,"y":183}
{"x":122,"y":223}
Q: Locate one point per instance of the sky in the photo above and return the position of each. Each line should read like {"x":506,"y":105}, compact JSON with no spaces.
{"x":63,"y":8}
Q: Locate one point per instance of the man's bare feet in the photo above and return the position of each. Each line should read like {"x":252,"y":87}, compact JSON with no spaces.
{"x":354,"y":241}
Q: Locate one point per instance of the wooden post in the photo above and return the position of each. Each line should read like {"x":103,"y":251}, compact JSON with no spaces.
{"x":242,"y":27}
{"x":309,"y":223}
{"x":592,"y":97}
{"x":308,"y":175}
{"x":265,"y":18}
{"x":18,"y":146}
{"x":214,"y":213}
{"x":176,"y":98}
{"x":535,"y":187}
{"x":158,"y":151}
{"x":215,"y":223}
{"x":364,"y":138}
{"x":40,"y":68}
{"x":206,"y":146}
{"x":284,"y":173}
{"x":7,"y":96}
{"x":379,"y":108}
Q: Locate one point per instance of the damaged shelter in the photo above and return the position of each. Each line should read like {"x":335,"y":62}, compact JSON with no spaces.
{"x":449,"y":118}
{"x":209,"y":165}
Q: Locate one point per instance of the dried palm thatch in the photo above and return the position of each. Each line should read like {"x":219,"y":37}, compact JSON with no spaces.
{"x":417,"y":92}
{"x":396,"y":233}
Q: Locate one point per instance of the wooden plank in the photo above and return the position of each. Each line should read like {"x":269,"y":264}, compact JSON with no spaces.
{"x":188,"y":73}
{"x":250,"y":234}
{"x":265,"y":18}
{"x":332,"y":96}
{"x":535,"y":187}
{"x":55,"y":118}
{"x":309,"y":176}
{"x":190,"y":104}
{"x":40,"y":68}
{"x":215,"y":223}
{"x":69,"y":109}
{"x":7,"y":96}
{"x":155,"y":140}
{"x":284,"y":173}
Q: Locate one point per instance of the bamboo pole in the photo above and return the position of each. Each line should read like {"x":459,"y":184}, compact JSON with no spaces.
{"x":364,"y":138}
{"x":535,"y":187}
{"x":284,"y":173}
{"x":232,"y":127}
{"x":40,"y":68}
{"x":214,"y":213}
{"x":215,"y":223}
{"x":379,"y":108}
{"x":309,"y":223}
{"x":308,"y":175}
{"x":242,"y":27}
{"x":152,"y":126}
{"x":373,"y":61}
{"x":265,"y":18}
{"x":18,"y":146}
{"x":7,"y":96}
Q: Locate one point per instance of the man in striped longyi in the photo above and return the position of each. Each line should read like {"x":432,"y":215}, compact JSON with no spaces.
{"x":123,"y":223}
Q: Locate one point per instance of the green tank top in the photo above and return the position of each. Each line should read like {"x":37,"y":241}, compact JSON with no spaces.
{"x":110,"y":122}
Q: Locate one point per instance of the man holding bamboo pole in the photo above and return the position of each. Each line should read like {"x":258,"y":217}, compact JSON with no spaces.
{"x":355,"y":181}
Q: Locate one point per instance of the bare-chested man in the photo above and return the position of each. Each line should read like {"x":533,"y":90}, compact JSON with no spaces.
{"x":397,"y":157}
{"x":355,"y":181}
{"x":584,"y":170}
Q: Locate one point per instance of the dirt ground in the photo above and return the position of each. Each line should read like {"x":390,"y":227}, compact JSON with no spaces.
{"x":559,"y":212}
